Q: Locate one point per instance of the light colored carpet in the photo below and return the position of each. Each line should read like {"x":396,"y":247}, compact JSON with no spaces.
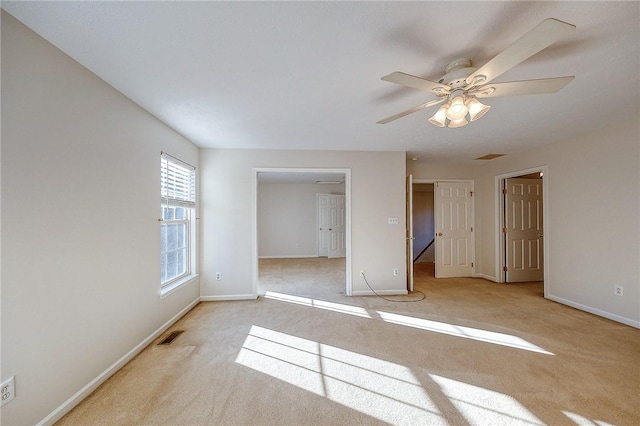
{"x":473,"y":352}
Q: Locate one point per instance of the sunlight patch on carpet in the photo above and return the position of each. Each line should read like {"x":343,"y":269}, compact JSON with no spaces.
{"x":480,"y":406}
{"x":320,"y":304}
{"x":465,"y":332}
{"x":583,"y":421}
{"x":381,"y":389}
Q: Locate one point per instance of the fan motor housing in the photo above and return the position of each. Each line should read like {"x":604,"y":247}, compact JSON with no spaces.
{"x":457,"y":72}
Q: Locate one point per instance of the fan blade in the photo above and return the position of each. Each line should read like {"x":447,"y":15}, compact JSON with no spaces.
{"x":525,"y":87}
{"x":408,"y":80}
{"x":412,"y":110}
{"x":544,"y":34}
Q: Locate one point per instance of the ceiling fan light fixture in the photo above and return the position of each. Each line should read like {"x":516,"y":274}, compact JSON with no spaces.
{"x":440,"y":118}
{"x":458,"y":123}
{"x":476,"y":108}
{"x":457,"y":110}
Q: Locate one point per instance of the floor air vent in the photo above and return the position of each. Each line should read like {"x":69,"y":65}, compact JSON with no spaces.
{"x":171,"y":337}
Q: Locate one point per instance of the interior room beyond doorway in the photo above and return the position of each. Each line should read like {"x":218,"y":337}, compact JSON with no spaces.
{"x":294,"y":237}
{"x":423,"y":229}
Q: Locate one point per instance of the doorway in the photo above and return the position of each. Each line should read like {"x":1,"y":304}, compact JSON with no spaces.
{"x":309,"y":177}
{"x":424,"y":250}
{"x":452,"y":237}
{"x":522,"y":226}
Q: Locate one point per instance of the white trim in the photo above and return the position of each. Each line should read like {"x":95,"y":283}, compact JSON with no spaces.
{"x":486,"y":277}
{"x":66,"y":406}
{"x":595,"y":311}
{"x":380,"y":292}
{"x":177,"y":285}
{"x":291,"y":256}
{"x":254,"y":217}
{"x":228,"y":297}
{"x":499,"y":207}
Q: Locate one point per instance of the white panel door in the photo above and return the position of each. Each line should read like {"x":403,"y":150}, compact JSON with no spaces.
{"x":410,"y":236}
{"x":523,"y":224}
{"x":337,"y":227}
{"x":324,"y":223}
{"x":454,"y":229}
{"x":331,"y":225}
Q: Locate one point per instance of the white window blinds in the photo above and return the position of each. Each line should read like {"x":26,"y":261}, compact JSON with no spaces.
{"x":177,"y":182}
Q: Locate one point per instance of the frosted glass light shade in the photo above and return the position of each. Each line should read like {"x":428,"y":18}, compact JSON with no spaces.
{"x":458,"y":123}
{"x":476,"y":108}
{"x":439,"y":118}
{"x":458,"y":109}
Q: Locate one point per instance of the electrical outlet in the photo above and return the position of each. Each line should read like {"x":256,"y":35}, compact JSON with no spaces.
{"x":362,"y":272}
{"x":218,"y":276}
{"x":618,"y":290}
{"x":393,"y":221}
{"x":396,"y":271}
{"x":8,"y":390}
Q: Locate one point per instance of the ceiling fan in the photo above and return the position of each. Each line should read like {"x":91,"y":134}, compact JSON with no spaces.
{"x":462,"y":85}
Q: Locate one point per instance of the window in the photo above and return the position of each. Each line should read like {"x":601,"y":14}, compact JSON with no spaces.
{"x":177,"y":204}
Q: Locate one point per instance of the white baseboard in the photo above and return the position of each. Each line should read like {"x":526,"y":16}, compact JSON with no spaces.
{"x":228,"y":297}
{"x":290,"y":256}
{"x":66,"y":406}
{"x":380,"y":292}
{"x":486,"y":277}
{"x":595,"y":311}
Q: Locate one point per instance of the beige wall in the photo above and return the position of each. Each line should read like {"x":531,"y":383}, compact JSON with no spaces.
{"x":287,"y":218}
{"x":593,"y":212}
{"x":377,"y":189}
{"x":593,"y":218}
{"x":80,"y":237}
{"x":430,"y":171}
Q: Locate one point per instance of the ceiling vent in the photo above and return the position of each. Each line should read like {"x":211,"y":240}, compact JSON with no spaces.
{"x":489,"y":156}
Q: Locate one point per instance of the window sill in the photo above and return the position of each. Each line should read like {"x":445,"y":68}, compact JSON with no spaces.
{"x":175,"y":286}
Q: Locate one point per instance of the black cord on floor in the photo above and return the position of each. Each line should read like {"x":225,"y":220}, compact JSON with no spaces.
{"x":392,"y":300}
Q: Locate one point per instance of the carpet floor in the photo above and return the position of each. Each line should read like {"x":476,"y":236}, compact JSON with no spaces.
{"x":472,"y":352}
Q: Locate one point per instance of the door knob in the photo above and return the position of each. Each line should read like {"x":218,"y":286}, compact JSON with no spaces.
{"x":330,"y":229}
{"x":439,"y":234}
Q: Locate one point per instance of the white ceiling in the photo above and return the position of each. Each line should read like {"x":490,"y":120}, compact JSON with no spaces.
{"x":306,"y":75}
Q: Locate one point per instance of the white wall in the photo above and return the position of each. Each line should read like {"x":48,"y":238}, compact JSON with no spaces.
{"x":287,"y":218}
{"x":593,"y":218}
{"x":80,"y":237}
{"x":377,"y":189}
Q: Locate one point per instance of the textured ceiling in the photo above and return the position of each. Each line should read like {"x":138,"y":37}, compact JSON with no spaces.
{"x":306,"y":75}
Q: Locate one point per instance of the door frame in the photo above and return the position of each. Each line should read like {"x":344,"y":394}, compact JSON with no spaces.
{"x":500,"y":220}
{"x":254,"y":216}
{"x":409,"y":232}
{"x":472,"y":181}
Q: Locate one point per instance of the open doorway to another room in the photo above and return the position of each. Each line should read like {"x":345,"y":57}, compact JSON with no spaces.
{"x":423,"y":230}
{"x":440,"y":222}
{"x":302,"y":232}
{"x":521,"y":203}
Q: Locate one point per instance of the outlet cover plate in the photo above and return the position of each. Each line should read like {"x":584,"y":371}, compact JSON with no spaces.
{"x":8,"y":390}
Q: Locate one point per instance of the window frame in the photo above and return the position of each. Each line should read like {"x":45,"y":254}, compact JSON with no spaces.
{"x":177,"y":189}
